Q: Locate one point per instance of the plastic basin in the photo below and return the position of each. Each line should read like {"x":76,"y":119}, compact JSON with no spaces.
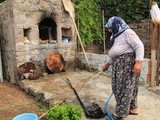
{"x":26,"y":116}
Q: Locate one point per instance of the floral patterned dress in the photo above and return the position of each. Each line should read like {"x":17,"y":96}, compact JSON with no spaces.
{"x":124,"y":83}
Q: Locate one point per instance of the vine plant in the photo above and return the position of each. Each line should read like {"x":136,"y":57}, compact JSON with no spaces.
{"x":88,"y":14}
{"x":90,"y":21}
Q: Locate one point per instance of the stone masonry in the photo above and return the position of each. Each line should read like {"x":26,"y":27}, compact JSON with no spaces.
{"x":34,"y":28}
{"x":97,"y":61}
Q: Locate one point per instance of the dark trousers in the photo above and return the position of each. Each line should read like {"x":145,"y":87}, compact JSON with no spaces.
{"x":124,"y":84}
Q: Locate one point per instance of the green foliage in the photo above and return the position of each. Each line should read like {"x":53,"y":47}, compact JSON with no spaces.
{"x":90,"y":19}
{"x":1,"y":1}
{"x":65,"y":112}
{"x":88,"y":15}
{"x":129,"y":10}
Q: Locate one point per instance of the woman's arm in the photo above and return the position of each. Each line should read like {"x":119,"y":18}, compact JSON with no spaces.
{"x":137,"y":45}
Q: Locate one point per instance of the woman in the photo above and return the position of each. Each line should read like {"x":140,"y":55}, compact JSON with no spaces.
{"x":125,"y":56}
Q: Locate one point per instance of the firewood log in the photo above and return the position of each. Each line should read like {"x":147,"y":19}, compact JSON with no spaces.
{"x":32,"y":69}
{"x":55,"y":62}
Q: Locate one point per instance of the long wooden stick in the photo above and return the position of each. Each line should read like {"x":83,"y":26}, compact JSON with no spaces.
{"x":69,"y":8}
{"x":104,"y":42}
{"x":81,"y":44}
{"x":44,"y":114}
{"x":93,"y":77}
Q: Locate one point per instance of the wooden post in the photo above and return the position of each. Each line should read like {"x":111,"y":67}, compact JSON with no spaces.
{"x":153,"y":54}
{"x":153,"y":50}
{"x":104,"y":42}
{"x":158,"y":60}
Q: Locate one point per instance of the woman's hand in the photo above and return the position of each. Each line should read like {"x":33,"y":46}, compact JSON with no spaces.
{"x":106,"y":66}
{"x":137,"y":67}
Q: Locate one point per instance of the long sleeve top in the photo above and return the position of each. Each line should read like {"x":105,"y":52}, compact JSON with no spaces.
{"x":127,"y":42}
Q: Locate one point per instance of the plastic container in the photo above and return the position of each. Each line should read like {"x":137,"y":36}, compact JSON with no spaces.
{"x":65,"y":40}
{"x":155,"y":13}
{"x":110,"y":69}
{"x":26,"y":116}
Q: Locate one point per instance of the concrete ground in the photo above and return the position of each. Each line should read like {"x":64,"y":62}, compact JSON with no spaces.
{"x":91,"y":88}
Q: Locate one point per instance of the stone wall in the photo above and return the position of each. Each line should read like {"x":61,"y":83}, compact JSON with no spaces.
{"x":7,"y":38}
{"x":97,"y":61}
{"x":143,"y":30}
{"x":20,"y":19}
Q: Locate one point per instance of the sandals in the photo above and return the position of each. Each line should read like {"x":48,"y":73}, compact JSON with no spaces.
{"x":134,"y":112}
{"x":116,"y":118}
{"x":131,"y":112}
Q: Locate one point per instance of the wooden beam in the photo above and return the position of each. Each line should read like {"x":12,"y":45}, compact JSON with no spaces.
{"x":153,"y":54}
{"x":158,"y":59}
{"x":153,"y":49}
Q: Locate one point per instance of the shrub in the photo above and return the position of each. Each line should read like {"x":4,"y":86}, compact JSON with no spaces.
{"x":65,"y":112}
{"x":88,"y":15}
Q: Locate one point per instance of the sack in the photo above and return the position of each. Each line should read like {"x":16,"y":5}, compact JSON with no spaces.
{"x":94,"y":111}
{"x":155,"y":13}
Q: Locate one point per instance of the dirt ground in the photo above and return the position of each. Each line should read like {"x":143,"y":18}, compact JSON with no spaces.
{"x":14,"y":101}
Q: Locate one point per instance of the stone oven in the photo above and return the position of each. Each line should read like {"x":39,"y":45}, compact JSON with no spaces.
{"x":34,"y":28}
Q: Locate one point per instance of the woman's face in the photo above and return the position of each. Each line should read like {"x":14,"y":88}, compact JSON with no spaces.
{"x":109,"y":30}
